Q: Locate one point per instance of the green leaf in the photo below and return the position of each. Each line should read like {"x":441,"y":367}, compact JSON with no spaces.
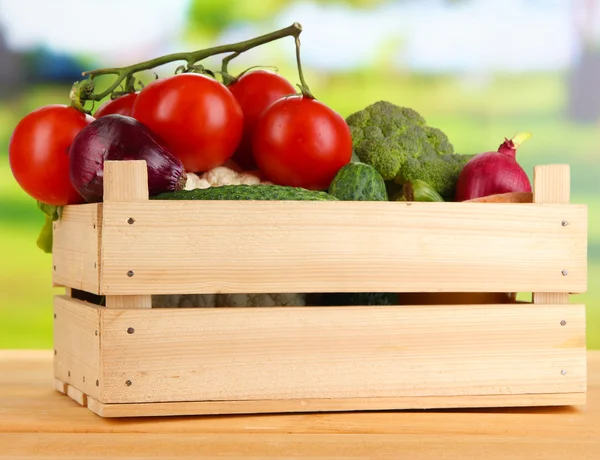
{"x":44,"y":241}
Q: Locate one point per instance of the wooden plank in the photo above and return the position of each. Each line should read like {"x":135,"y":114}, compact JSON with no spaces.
{"x":331,"y":405}
{"x":60,"y":386}
{"x":126,"y":182}
{"x":128,"y":301}
{"x":228,"y":246}
{"x":77,"y":345}
{"x":552,"y":184}
{"x":29,"y":405}
{"x":76,"y":395}
{"x":76,"y":248}
{"x":260,"y":445}
{"x":342,"y":352}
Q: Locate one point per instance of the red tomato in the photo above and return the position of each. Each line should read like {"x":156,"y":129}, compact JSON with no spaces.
{"x":255,"y":91}
{"x":301,"y":142}
{"x":197,"y":117}
{"x":123,"y":105}
{"x":39,"y":153}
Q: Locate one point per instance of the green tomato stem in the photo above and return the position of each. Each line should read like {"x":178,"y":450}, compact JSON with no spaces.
{"x":303,"y":86}
{"x":79,"y":97}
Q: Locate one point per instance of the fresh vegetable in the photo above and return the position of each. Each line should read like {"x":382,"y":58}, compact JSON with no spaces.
{"x":397,"y":142}
{"x":248,"y":192}
{"x":117,"y":137}
{"x":492,"y":173}
{"x":358,"y":182}
{"x":38,"y":153}
{"x":197,"y":117}
{"x":122,"y":105}
{"x":455,"y":298}
{"x":439,"y":171}
{"x":255,"y":91}
{"x":512,"y":197}
{"x":51,"y":214}
{"x":352,"y":298}
{"x":418,"y":190}
{"x":301,"y":142}
{"x":228,"y":300}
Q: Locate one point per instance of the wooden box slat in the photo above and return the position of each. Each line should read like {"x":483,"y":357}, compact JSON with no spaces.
{"x":77,"y":360}
{"x":76,"y":247}
{"x":249,"y":247}
{"x":338,"y":352}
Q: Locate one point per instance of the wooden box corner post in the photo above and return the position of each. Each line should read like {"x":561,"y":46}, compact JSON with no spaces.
{"x":552,"y":185}
{"x":126,"y":182}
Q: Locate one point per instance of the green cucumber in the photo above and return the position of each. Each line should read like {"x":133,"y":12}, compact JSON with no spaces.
{"x":248,"y":192}
{"x":358,"y":182}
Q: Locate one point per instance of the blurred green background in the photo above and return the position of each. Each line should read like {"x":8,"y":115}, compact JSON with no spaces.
{"x":478,"y":70}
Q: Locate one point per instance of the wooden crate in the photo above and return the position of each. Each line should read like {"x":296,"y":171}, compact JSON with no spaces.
{"x":127,"y":359}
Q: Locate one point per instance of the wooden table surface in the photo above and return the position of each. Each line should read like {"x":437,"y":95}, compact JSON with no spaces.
{"x":38,"y":422}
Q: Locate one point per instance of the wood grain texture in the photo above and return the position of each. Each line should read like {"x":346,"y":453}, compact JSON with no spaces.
{"x":77,"y":345}
{"x":76,"y":395}
{"x":301,"y":446}
{"x":341,"y":352}
{"x":331,"y":405}
{"x":125,"y":181}
{"x":227,"y":246}
{"x":552,"y":184}
{"x":128,"y":301}
{"x":36,"y":422}
{"x":76,"y":248}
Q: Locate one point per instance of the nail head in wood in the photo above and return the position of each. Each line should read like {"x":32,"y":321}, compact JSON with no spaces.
{"x":94,"y":226}
{"x":564,"y":223}
{"x":69,"y":373}
{"x":97,"y":383}
{"x":565,"y":272}
{"x":130,"y":330}
{"x":54,"y":352}
{"x":54,"y":315}
{"x":130,"y":273}
{"x":563,"y":323}
{"x":563,"y":372}
{"x":131,"y":221}
{"x":96,"y":332}
{"x":54,"y":267}
{"x":128,"y":383}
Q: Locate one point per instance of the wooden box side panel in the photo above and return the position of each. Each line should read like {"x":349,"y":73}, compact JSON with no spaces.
{"x":342,"y":352}
{"x":247,"y":247}
{"x":76,"y":248}
{"x":77,"y":345}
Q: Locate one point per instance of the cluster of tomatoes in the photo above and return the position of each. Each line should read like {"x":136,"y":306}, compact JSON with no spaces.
{"x":257,"y":121}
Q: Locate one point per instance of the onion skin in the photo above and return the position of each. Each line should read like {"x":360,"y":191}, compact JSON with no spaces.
{"x":119,"y":137}
{"x":492,"y":173}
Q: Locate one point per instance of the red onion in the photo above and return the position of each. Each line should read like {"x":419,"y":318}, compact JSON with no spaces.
{"x":491,"y":173}
{"x":119,"y":137}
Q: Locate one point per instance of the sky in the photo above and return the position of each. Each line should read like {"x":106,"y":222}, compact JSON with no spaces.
{"x":476,"y":36}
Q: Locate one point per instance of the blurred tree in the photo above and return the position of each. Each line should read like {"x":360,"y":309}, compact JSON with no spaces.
{"x":583,"y":81}
{"x":211,"y":16}
{"x":11,"y":71}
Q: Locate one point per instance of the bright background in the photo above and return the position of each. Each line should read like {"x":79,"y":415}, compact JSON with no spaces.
{"x":479,"y":70}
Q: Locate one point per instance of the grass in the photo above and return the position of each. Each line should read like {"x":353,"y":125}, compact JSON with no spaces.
{"x":475,"y":115}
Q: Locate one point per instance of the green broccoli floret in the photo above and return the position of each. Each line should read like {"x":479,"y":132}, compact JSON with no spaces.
{"x":397,"y":142}
{"x":441,"y":171}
